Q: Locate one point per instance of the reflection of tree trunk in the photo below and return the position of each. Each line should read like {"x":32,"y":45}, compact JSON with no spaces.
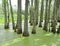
{"x":19,"y":18}
{"x":41,"y":13}
{"x":46,"y":21}
{"x":12,"y":15}
{"x":25,"y":33}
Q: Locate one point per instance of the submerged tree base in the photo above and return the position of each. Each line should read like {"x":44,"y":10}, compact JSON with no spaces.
{"x":15,"y":30}
{"x":45,"y":29}
{"x":19,"y":31}
{"x":6,"y":26}
{"x":58,"y":31}
{"x":33,"y":31}
{"x":25,"y":34}
{"x":16,"y":26}
{"x":36,"y":23}
{"x":58,"y":20}
{"x":29,"y":21}
{"x":31,"y":24}
{"x":53,"y":30}
{"x":13,"y":27}
{"x":40,"y":25}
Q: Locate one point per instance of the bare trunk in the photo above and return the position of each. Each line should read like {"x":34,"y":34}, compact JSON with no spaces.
{"x":31,"y":12}
{"x":13,"y":24}
{"x":41,"y":13}
{"x":34,"y":19}
{"x":37,"y":10}
{"x":8,"y":13}
{"x":5,"y":13}
{"x":19,"y":18}
{"x":49,"y":6}
{"x":26,"y":33}
{"x":54,"y":18}
{"x":46,"y":17}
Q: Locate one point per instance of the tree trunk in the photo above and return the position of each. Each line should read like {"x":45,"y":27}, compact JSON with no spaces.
{"x":5,"y":13}
{"x":49,"y":6}
{"x":8,"y":13}
{"x":58,"y":15}
{"x":41,"y":13}
{"x":34,"y":18}
{"x":46,"y":17}
{"x":31,"y":12}
{"x":13,"y":24}
{"x":34,"y":22}
{"x":26,"y":33}
{"x":37,"y":10}
{"x":19,"y":18}
{"x":54,"y":19}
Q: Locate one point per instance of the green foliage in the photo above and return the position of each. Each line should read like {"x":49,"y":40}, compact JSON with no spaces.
{"x":15,"y":18}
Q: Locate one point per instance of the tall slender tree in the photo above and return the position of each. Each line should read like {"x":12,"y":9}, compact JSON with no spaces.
{"x":57,"y":10}
{"x":11,"y":9}
{"x":34,"y":22}
{"x":37,"y":10}
{"x":34,"y":17}
{"x":49,"y":13}
{"x":46,"y":17}
{"x":5,"y":13}
{"x":54,"y":18}
{"x":19,"y":18}
{"x":31,"y":12}
{"x":58,"y":15}
{"x":49,"y":6}
{"x":41,"y":13}
{"x":8,"y":14}
{"x":26,"y":33}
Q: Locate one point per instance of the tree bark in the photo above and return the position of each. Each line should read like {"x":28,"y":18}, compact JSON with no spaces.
{"x":13,"y":24}
{"x":41,"y":13}
{"x":5,"y":13}
{"x":54,"y":18}
{"x":46,"y":17}
{"x":19,"y":18}
{"x":26,"y":33}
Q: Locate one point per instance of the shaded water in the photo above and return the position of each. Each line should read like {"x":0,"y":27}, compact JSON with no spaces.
{"x":41,"y":38}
